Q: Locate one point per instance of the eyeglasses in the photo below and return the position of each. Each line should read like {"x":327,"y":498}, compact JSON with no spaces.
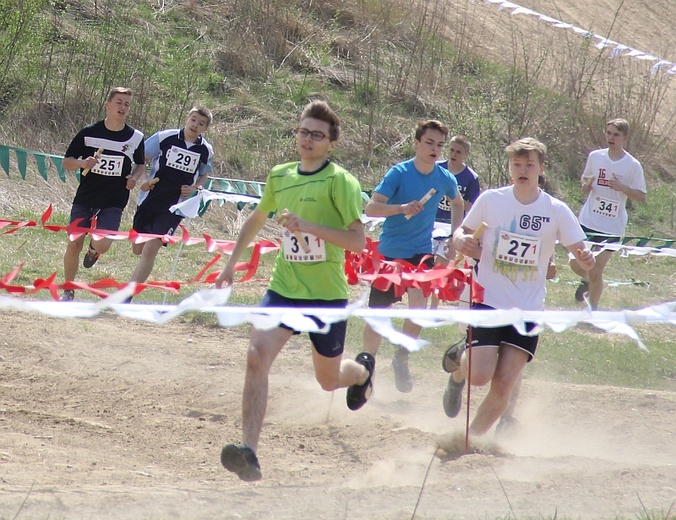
{"x":315,"y":135}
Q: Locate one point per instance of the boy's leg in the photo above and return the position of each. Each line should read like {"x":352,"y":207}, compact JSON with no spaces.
{"x":402,"y":374}
{"x":106,"y":218}
{"x":71,"y":258}
{"x":372,"y":340}
{"x":336,"y":372}
{"x":264,"y":346}
{"x":331,"y":370}
{"x":513,"y":398}
{"x":147,"y":260}
{"x":510,"y":363}
{"x":596,"y":278}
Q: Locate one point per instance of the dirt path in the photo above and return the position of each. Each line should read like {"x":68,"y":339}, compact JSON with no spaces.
{"x":112,"y":418}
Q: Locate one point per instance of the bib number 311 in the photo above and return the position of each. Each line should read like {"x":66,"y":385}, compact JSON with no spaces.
{"x":294,"y":251}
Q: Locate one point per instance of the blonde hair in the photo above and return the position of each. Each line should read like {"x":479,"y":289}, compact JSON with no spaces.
{"x":119,"y":90}
{"x":525,"y":146}
{"x":463,"y":141}
{"x":621,"y":124}
{"x":203,"y":111}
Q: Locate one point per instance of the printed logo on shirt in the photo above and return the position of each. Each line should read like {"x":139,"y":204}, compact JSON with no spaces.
{"x":533,"y":222}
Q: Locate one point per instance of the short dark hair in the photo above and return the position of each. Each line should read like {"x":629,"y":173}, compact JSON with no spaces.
{"x":525,"y":146}
{"x":621,"y":124}
{"x":119,"y":90}
{"x":321,"y":110}
{"x":430,"y":124}
{"x":203,"y":111}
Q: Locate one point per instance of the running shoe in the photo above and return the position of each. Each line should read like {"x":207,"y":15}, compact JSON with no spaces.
{"x":67,"y":296}
{"x":90,"y":257}
{"x":357,"y":395}
{"x":451,"y":360}
{"x":241,"y":460}
{"x":581,"y":290}
{"x":453,"y":397}
{"x":402,"y":376}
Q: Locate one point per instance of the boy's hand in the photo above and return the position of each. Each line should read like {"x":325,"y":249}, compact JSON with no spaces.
{"x":585,"y":258}
{"x":466,"y":244}
{"x":586,"y":184}
{"x":615,"y":184}
{"x":131,"y":182}
{"x":412,"y":208}
{"x":149,"y":185}
{"x":224,"y":277}
{"x":187,"y":191}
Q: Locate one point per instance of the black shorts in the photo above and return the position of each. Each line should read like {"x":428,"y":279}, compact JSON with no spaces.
{"x":382,"y":299}
{"x":329,"y":345}
{"x":598,"y":238}
{"x":106,"y":218}
{"x":496,"y":336}
{"x":155,"y":222}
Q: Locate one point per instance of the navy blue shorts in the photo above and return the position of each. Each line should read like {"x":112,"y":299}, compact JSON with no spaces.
{"x":597,"y":237}
{"x":495,"y":336}
{"x":329,"y":345}
{"x":382,"y":299}
{"x":106,"y":218}
{"x":155,"y":222}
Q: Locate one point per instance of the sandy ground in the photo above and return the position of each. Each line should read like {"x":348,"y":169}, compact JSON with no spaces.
{"x":112,"y":418}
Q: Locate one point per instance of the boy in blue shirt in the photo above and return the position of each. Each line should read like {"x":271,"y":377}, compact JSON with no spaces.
{"x":407,"y":230}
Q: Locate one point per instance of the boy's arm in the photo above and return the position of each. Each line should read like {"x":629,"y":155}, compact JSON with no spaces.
{"x":457,"y":211}
{"x":378,"y":207}
{"x":631,"y":193}
{"x":584,"y":256}
{"x":186,"y":190}
{"x":72,"y":163}
{"x":137,"y":173}
{"x":464,"y":242}
{"x":252,"y":225}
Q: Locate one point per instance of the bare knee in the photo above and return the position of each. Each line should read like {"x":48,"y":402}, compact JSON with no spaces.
{"x":327,"y":384}
{"x":481,"y":377}
{"x":257,"y":360}
{"x":596,"y":275}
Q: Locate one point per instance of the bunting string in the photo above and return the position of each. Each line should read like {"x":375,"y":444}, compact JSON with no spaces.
{"x":616,"y":48}
{"x":214,"y":301}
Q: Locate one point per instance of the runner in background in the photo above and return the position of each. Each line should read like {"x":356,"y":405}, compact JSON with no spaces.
{"x":610,"y":178}
{"x":111,"y":158}
{"x":407,"y":231}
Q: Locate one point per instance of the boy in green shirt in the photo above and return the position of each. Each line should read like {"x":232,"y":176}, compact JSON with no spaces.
{"x":320,"y":208}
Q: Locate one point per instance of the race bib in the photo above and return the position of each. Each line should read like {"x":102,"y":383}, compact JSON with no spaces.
{"x":313,"y":250}
{"x":182,"y":159}
{"x":518,"y":249}
{"x":109,"y":165}
{"x":607,"y":208}
{"x":445,"y":203}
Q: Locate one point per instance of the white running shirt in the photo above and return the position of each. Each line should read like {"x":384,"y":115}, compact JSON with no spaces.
{"x":517,"y":245}
{"x":605,"y":209}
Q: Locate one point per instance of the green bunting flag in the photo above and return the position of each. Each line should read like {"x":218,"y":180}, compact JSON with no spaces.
{"x":40,"y":161}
